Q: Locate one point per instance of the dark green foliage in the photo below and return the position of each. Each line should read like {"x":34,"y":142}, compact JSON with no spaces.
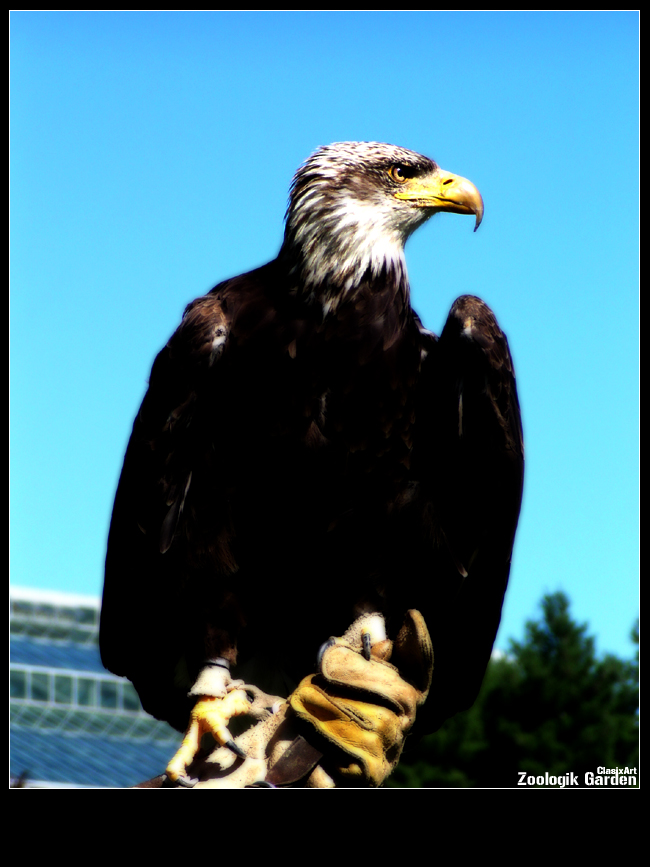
{"x":550,"y":706}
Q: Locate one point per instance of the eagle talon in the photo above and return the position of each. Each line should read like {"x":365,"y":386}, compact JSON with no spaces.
{"x":367,"y":646}
{"x":187,"y":782}
{"x":321,"y":650}
{"x":235,"y":749}
{"x":210,"y":715}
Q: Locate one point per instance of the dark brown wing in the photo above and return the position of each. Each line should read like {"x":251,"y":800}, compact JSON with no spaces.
{"x":143,"y":588}
{"x":220,"y":507}
{"x":470,"y":459}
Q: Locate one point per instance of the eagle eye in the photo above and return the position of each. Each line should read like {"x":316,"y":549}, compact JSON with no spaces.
{"x":400,"y":174}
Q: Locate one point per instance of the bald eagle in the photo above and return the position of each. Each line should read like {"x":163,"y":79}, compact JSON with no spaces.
{"x":307,"y":449}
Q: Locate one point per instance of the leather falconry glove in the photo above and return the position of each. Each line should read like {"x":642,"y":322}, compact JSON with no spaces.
{"x":363,"y":709}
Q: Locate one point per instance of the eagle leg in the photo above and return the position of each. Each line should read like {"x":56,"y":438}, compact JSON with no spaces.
{"x":210,"y":715}
{"x":373,"y":631}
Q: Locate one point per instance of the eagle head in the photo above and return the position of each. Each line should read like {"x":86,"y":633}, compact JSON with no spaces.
{"x":352,"y":206}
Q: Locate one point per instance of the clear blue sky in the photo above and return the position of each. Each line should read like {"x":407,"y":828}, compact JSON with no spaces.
{"x":151,"y":154}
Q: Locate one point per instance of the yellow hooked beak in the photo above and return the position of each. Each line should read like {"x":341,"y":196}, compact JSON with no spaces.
{"x":443,"y":191}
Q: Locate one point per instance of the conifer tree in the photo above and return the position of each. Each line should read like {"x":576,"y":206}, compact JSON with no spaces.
{"x":550,"y":705}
